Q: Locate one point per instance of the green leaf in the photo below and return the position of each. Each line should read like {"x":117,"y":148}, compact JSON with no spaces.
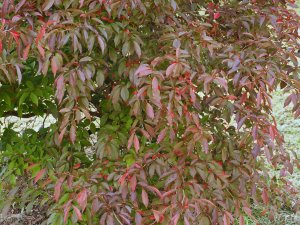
{"x":23,"y":98}
{"x":34,"y":99}
{"x":100,"y":78}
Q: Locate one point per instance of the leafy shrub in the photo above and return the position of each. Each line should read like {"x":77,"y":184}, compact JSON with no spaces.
{"x":173,"y":99}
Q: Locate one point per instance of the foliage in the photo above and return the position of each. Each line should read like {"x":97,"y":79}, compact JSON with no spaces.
{"x":176,"y":94}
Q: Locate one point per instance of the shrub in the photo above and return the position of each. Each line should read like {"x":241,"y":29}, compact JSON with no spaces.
{"x":173,"y":98}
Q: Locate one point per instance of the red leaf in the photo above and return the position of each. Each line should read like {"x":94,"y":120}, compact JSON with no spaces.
{"x":1,"y":47}
{"x":170,"y":69}
{"x":39,"y":175}
{"x":61,"y":135}
{"x":122,"y":179}
{"x":67,"y":208}
{"x":76,"y":166}
{"x":82,"y":199}
{"x":265,"y":196}
{"x":133,"y":183}
{"x":193,"y":95}
{"x":258,"y":99}
{"x":136,"y":143}
{"x":57,"y":188}
{"x":226,"y":220}
{"x":41,"y":50}
{"x":150,"y":111}
{"x":271,"y":132}
{"x":15,"y":35}
{"x":78,"y":213}
{"x":26,"y":52}
{"x":156,"y":215}
{"x":60,"y":84}
{"x":217,"y":15}
{"x":5,"y":8}
{"x":242,"y":221}
{"x":54,"y":66}
{"x":145,"y":134}
{"x":161,"y":135}
{"x":40,"y":34}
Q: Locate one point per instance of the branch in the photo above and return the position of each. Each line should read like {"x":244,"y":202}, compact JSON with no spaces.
{"x":30,"y":115}
{"x":15,"y":113}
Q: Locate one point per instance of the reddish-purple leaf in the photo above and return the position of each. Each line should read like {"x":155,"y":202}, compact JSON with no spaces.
{"x":226,"y":220}
{"x":81,"y":3}
{"x":133,"y":183}
{"x":57,"y":188}
{"x":241,"y":122}
{"x":222,"y":82}
{"x":138,"y":219}
{"x":176,"y":218}
{"x":170,"y":69}
{"x":19,"y":5}
{"x":143,"y":70}
{"x":54,"y":66}
{"x":155,"y":87}
{"x":136,"y":143}
{"x":95,"y":206}
{"x":60,"y":86}
{"x":145,"y":198}
{"x":73,"y":133}
{"x":161,"y":136}
{"x":258,"y":99}
{"x":150,"y":111}
{"x":61,"y":135}
{"x":255,"y":150}
{"x":204,"y":144}
{"x":145,"y":134}
{"x":82,"y":199}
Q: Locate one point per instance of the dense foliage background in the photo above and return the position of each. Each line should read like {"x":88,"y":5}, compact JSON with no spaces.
{"x":154,"y":112}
